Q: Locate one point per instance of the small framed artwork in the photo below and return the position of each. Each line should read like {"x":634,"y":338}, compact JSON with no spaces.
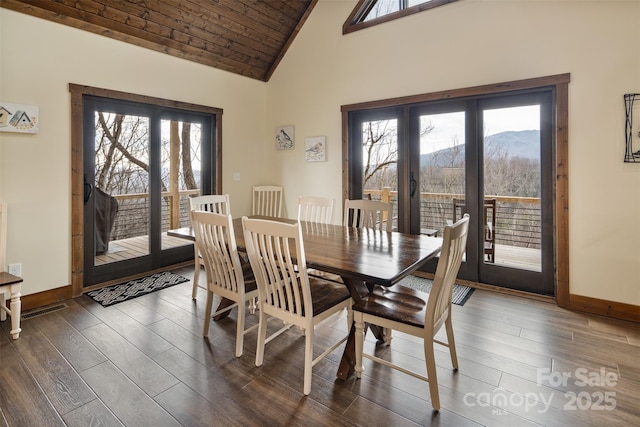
{"x":18,"y":118}
{"x":285,"y":139}
{"x":315,"y":149}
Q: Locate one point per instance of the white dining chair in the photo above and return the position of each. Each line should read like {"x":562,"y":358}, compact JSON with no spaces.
{"x":417,"y":313}
{"x":364,"y":213}
{"x":227,"y":277}
{"x":12,"y":286}
{"x":266,"y":200}
{"x":216,"y":203}
{"x":314,"y":209}
{"x":288,"y":293}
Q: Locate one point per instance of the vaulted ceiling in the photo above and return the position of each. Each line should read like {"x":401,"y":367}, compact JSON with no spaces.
{"x":245,"y":37}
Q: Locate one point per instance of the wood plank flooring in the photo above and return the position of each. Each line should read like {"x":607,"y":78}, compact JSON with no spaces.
{"x":144,"y":363}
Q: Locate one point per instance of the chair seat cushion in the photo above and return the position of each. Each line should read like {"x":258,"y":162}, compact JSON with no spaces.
{"x":326,"y":294}
{"x":397,"y":303}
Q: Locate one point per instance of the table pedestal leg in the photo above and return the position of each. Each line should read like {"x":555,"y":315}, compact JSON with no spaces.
{"x":223,"y":304}
{"x":358,"y":290}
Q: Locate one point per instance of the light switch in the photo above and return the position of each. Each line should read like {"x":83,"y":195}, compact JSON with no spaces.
{"x":236,"y":176}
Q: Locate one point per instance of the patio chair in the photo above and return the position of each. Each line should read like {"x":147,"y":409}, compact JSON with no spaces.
{"x":489,"y":217}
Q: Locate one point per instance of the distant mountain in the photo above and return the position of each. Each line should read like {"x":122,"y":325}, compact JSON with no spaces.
{"x":523,"y":144}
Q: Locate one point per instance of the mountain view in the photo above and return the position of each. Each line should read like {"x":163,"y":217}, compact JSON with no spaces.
{"x":512,"y":144}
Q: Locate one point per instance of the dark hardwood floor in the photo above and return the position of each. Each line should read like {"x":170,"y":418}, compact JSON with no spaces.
{"x":144,"y":363}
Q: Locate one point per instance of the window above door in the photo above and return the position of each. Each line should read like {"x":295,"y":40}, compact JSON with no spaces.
{"x":368,"y":13}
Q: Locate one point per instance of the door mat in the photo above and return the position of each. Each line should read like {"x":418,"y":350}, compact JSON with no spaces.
{"x":135,"y":288}
{"x":460,"y":295}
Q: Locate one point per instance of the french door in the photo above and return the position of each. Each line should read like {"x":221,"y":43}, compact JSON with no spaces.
{"x":140,"y":164}
{"x":436,"y":160}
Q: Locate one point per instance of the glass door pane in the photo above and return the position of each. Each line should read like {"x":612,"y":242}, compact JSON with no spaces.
{"x":121,"y":187}
{"x":380,"y":163}
{"x":512,"y":178}
{"x":442,"y":169}
{"x":180,"y":175}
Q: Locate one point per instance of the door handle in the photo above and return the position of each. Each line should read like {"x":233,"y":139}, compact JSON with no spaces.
{"x":88,"y":189}
{"x":413,"y":185}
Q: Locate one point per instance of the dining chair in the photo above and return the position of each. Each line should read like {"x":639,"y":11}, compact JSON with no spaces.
{"x":267,"y":200}
{"x":288,"y":293}
{"x":317,"y":210}
{"x":373,"y":214}
{"x":314,"y":209}
{"x":10,"y":285}
{"x":417,"y":313}
{"x":216,"y":203}
{"x":226,"y":275}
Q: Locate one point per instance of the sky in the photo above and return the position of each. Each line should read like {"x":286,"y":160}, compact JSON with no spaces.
{"x":451,"y":125}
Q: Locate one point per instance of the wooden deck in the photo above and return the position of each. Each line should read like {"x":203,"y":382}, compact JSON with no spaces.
{"x":508,"y":256}
{"x":134,"y":247}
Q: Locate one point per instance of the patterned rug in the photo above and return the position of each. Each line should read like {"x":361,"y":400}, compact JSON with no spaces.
{"x":125,"y":291}
{"x":460,"y":295}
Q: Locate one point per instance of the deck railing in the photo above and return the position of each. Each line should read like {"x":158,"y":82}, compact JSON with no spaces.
{"x":132,"y":219}
{"x":518,"y":219}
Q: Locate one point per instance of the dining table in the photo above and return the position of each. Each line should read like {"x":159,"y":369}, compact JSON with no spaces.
{"x":362,"y":257}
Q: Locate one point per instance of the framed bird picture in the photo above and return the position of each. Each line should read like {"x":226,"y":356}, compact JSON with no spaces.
{"x":285,"y":139}
{"x":315,"y":149}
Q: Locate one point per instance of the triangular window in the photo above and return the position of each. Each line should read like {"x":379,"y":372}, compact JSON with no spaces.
{"x":368,"y":13}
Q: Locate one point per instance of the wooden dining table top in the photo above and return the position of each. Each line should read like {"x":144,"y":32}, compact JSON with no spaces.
{"x":363,"y":254}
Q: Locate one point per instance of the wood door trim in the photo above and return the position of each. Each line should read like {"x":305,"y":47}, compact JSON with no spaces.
{"x":77,"y":154}
{"x":560,"y":84}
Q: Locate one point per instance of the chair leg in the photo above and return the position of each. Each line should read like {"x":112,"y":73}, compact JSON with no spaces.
{"x":262,"y":336}
{"x":308,"y":359}
{"x":207,"y":313}
{"x":15,"y":306}
{"x":3,"y":301}
{"x":452,"y":343}
{"x":196,"y":277}
{"x":429,"y":357}
{"x":240,"y":328}
{"x":359,"y":337}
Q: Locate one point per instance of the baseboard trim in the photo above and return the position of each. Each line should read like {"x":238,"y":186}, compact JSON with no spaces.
{"x":48,"y":297}
{"x":618,"y":310}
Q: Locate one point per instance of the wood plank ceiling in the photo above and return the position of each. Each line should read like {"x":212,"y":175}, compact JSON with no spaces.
{"x":245,"y":37}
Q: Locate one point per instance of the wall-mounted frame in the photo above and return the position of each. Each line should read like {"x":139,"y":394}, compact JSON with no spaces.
{"x":285,"y":137}
{"x":631,"y":131}
{"x":18,"y":118}
{"x":315,"y":149}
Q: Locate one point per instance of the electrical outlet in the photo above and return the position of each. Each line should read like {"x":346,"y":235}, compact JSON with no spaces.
{"x":15,"y":269}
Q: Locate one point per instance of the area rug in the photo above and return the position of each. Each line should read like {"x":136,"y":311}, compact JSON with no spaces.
{"x":135,"y":288}
{"x":460,"y":295}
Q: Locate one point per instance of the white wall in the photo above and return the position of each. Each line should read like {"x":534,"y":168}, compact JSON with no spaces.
{"x":38,"y":61}
{"x":470,"y":43}
{"x":466,"y":43}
